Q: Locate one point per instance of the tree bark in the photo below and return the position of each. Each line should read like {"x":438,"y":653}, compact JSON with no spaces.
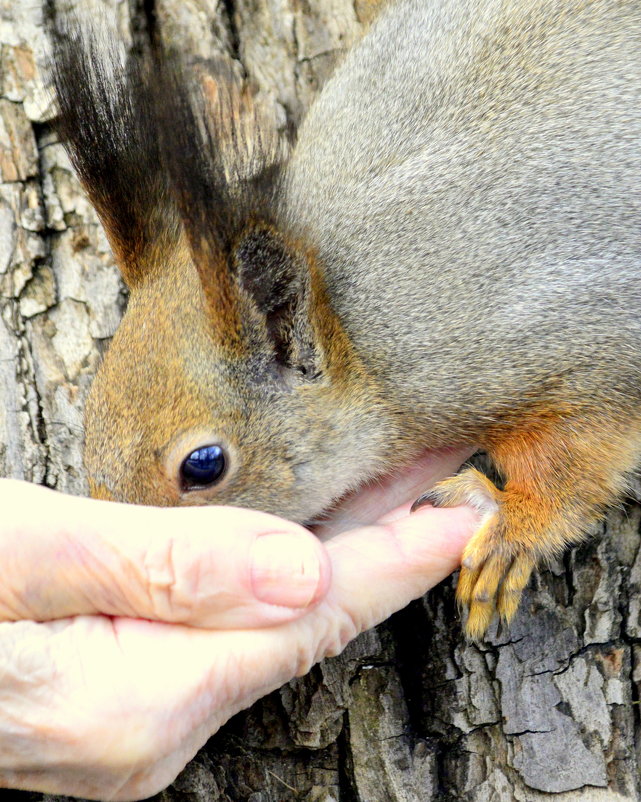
{"x":410,"y":711}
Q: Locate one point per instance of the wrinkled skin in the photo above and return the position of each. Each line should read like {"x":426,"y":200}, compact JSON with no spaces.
{"x":158,"y":625}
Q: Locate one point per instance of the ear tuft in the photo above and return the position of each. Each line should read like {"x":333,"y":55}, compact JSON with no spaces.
{"x":107,"y":123}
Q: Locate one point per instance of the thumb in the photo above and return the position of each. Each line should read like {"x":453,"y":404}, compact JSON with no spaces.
{"x":217,"y":567}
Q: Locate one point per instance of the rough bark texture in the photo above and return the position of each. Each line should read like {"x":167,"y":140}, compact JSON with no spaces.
{"x":409,"y":711}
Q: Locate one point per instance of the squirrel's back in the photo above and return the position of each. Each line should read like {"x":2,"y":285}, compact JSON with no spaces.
{"x":471,"y":178}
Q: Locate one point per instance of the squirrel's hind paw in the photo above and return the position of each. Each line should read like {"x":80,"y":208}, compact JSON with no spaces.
{"x":496,"y":568}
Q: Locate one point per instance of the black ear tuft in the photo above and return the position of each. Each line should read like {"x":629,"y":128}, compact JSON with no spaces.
{"x":276,"y":278}
{"x":107,"y":123}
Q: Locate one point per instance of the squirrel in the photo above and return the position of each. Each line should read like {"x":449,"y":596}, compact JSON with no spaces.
{"x":449,"y":254}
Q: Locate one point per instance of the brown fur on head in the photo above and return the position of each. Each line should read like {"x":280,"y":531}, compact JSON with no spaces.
{"x":273,"y":397}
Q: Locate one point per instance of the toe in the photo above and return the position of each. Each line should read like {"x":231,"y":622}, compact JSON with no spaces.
{"x":481,"y":594}
{"x":466,"y":584}
{"x":513,"y":585}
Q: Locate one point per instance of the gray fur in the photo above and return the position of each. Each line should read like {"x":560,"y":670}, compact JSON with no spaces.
{"x":471,"y":177}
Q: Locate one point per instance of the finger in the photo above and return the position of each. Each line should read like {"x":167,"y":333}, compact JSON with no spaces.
{"x":377,"y":570}
{"x":206,"y":566}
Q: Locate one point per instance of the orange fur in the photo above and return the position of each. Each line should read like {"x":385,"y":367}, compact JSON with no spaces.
{"x":548,"y":502}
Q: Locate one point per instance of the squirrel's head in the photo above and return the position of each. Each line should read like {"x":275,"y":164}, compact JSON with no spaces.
{"x":230,"y":379}
{"x":249,"y":405}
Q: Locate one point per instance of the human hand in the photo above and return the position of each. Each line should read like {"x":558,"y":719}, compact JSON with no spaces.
{"x":106,"y":704}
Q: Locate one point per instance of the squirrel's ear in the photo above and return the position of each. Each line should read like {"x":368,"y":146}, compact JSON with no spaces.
{"x":273,"y":275}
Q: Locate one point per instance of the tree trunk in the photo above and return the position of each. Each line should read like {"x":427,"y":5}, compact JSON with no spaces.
{"x":410,"y":711}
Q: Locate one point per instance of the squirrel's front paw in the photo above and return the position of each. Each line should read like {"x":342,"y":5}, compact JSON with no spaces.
{"x":496,"y":564}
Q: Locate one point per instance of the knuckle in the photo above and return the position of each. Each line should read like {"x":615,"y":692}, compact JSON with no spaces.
{"x":340,"y":628}
{"x":170,"y":580}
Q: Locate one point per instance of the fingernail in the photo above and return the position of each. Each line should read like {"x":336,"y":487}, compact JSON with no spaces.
{"x":285,"y":570}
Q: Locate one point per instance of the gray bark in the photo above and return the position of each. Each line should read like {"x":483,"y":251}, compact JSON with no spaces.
{"x":410,"y":711}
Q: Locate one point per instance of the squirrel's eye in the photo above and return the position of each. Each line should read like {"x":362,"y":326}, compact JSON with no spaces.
{"x":202,"y":467}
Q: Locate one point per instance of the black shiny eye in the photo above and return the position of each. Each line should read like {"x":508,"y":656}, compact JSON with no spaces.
{"x":202,"y":467}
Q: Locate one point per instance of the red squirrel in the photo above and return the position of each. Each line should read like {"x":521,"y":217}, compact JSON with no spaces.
{"x":450,"y":254}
